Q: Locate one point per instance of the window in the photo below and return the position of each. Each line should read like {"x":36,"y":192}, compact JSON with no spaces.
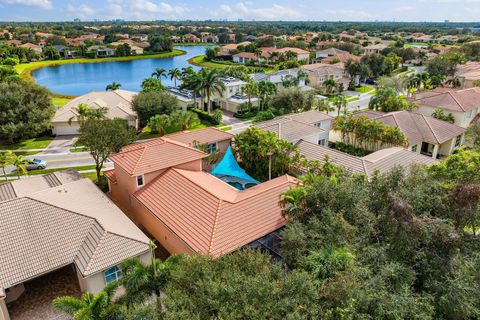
{"x":140,"y":181}
{"x":458,"y":141}
{"x":211,"y":147}
{"x":414,"y":148}
{"x":112,"y":274}
{"x":321,"y":142}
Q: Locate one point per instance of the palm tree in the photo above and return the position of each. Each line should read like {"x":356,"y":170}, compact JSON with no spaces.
{"x":268,"y":147}
{"x":323,"y":105}
{"x":159,"y":73}
{"x":454,"y":82}
{"x":184,"y":119}
{"x":191,"y":80}
{"x":175,"y":74}
{"x":159,"y":123}
{"x":340,"y":101}
{"x":211,"y":83}
{"x":302,"y":75}
{"x":113,"y":86}
{"x":5,"y":161}
{"x":84,"y":112}
{"x":397,"y":83}
{"x":89,"y":306}
{"x":329,"y":84}
{"x":265,"y":90}
{"x":250,"y":89}
{"x":143,"y":281}
{"x":19,"y":162}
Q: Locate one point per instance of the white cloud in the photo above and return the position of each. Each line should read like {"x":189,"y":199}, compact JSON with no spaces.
{"x":245,"y":10}
{"x":351,"y":15}
{"x":156,"y":7}
{"x":82,"y":11}
{"x":42,"y":4}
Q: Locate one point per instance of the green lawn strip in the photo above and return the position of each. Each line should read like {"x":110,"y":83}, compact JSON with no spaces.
{"x":197,"y":44}
{"x":364,"y":89}
{"x":90,"y":175}
{"x":25,"y":69}
{"x":81,"y":149}
{"x":60,"y":102}
{"x":226,"y":128}
{"x":351,"y":99}
{"x":34,"y":143}
{"x":199,"y":61}
{"x":45,"y":171}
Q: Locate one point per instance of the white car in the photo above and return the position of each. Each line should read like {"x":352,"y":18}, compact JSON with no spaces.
{"x":36,"y":164}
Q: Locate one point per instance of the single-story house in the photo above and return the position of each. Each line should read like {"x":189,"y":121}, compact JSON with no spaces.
{"x":102,"y":51}
{"x":374,"y":48}
{"x":469,"y":74}
{"x":382,"y":161}
{"x":59,"y":220}
{"x":118,"y":104}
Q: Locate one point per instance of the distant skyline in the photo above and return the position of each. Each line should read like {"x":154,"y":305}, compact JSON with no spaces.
{"x":318,"y":10}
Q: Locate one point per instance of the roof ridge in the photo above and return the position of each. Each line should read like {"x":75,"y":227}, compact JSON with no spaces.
{"x":430,"y":127}
{"x":139,"y":158}
{"x":215,"y":224}
{"x":97,"y":244}
{"x":454,"y":98}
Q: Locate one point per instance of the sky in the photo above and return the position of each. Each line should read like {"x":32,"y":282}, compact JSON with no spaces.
{"x":317,"y":10}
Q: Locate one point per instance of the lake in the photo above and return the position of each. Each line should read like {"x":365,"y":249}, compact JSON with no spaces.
{"x":80,"y":78}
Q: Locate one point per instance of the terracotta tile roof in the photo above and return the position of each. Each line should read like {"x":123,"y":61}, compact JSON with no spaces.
{"x":292,"y":49}
{"x":209,"y":215}
{"x":55,"y":225}
{"x":450,"y":99}
{"x":206,"y":135}
{"x":382,"y":161}
{"x":417,"y":127}
{"x":110,"y":175}
{"x":154,"y":155}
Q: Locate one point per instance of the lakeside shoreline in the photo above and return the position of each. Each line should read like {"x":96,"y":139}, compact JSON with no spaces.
{"x":25,"y":69}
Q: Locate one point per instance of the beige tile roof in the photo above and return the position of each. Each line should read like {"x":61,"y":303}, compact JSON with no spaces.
{"x":154,"y":155}
{"x":417,"y":127}
{"x":206,"y":135}
{"x":309,"y":117}
{"x":117,"y":102}
{"x":288,"y":129}
{"x":59,"y":224}
{"x":383,"y":160}
{"x":209,"y":215}
{"x":450,"y":99}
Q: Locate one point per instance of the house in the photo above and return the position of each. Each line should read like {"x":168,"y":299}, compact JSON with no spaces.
{"x":118,"y":104}
{"x":64,"y":52}
{"x":278,"y":77}
{"x":232,"y":48}
{"x":209,"y":38}
{"x":302,"y":55}
{"x":312,"y":126}
{"x":140,"y":37}
{"x":34,"y":47}
{"x":318,"y":73}
{"x":190,"y":38}
{"x":164,"y":190}
{"x":334,"y":55}
{"x":245,"y":57}
{"x":463,"y":104}
{"x":136,"y":50}
{"x":426,"y":135}
{"x":381,"y":161}
{"x":101,"y":51}
{"x":186,"y":98}
{"x":374,"y":48}
{"x":57,"y":224}
{"x":232,"y":96}
{"x":469,"y":74}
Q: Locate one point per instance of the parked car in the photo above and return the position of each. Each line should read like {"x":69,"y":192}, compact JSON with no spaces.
{"x":36,"y":164}
{"x":371,"y":81}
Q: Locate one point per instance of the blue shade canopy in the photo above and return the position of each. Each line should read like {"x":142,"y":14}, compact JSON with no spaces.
{"x":229,"y":167}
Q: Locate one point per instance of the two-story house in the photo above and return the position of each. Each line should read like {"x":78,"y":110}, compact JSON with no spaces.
{"x":426,"y":135}
{"x":163,"y":188}
{"x":318,"y":73}
{"x":463,"y":104}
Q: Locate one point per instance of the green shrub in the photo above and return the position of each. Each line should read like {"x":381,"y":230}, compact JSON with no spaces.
{"x":343,"y":147}
{"x":214,"y":118}
{"x":264,"y":115}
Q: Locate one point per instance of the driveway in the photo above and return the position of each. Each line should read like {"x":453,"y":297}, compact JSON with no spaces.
{"x":229,"y":119}
{"x":61,"y":144}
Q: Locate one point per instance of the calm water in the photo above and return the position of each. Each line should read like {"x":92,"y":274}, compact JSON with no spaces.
{"x":77,"y":79}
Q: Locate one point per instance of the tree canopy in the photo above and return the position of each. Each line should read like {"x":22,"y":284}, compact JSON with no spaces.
{"x":149,"y":104}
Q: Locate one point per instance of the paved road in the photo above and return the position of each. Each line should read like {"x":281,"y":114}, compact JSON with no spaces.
{"x":60,"y":145}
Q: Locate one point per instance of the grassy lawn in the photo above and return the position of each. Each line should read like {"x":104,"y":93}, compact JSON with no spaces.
{"x":147,"y":134}
{"x":25,"y":69}
{"x":198,"y":44}
{"x":60,"y":102}
{"x":45,"y":171}
{"x":351,"y":99}
{"x":364,"y":89}
{"x":90,"y":175}
{"x":81,"y":149}
{"x":226,"y":128}
{"x":35,"y":143}
{"x":199,"y":61}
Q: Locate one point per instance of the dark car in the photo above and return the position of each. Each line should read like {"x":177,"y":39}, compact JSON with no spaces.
{"x":371,"y":81}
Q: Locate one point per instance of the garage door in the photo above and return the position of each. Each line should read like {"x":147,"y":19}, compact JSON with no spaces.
{"x":65,"y":129}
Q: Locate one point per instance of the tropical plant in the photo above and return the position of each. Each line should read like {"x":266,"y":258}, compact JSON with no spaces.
{"x":84,"y":112}
{"x":323,"y":105}
{"x":159,"y":123}
{"x":152,"y":85}
{"x":340,"y":101}
{"x":265,"y":90}
{"x":184,"y":119}
{"x":440,"y":114}
{"x":397,"y":83}
{"x":149,"y":104}
{"x":211,"y":83}
{"x":454,"y":82}
{"x":113,"y":86}
{"x":19,"y":162}
{"x":251,"y":90}
{"x":5,"y":161}
{"x":329,"y":85}
{"x":175,"y":74}
{"x":387,"y":100}
{"x":159,"y":73}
